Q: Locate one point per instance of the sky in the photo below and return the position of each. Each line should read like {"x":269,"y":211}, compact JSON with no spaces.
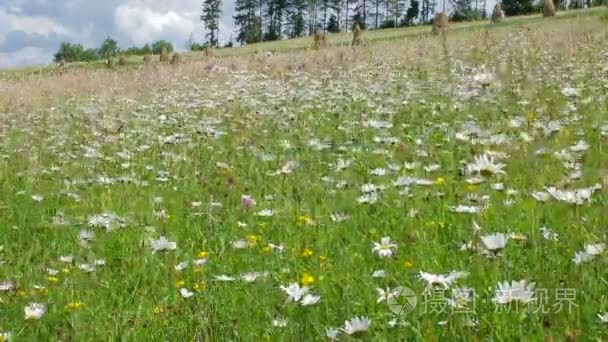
{"x":32,"y":30}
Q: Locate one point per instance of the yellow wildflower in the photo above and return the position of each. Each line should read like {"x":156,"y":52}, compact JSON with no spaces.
{"x":307,"y":279}
{"x":74,"y":305}
{"x":307,"y":252}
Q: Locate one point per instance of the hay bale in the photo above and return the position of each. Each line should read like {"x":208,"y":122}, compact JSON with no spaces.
{"x":319,"y":40}
{"x":440,"y":24}
{"x":498,"y":14}
{"x":549,"y":8}
{"x":175,"y":58}
{"x":164,"y":56}
{"x":122,"y":60}
{"x":148,"y":59}
{"x":357,"y":36}
{"x":208,"y":51}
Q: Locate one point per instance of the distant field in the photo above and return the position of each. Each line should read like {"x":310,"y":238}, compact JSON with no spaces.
{"x":417,"y":188}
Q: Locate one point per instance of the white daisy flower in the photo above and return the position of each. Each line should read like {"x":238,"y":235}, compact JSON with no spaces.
{"x":34,"y":311}
{"x":495,"y":242}
{"x":549,"y":234}
{"x":279,"y":322}
{"x":356,"y":325}
{"x":6,"y":336}
{"x":86,"y":235}
{"x":265,"y":213}
{"x":498,"y":186}
{"x":294,"y":292}
{"x":280,"y":247}
{"x":66,"y":259}
{"x":239,"y":244}
{"x":385,"y":248}
{"x":485,"y":165}
{"x":162,"y":244}
{"x":88,"y":268}
{"x":432,"y":168}
{"x":182,"y":265}
{"x":541,"y":196}
{"x":250,"y":277}
{"x":516,"y":291}
{"x":589,"y":253}
{"x":379,"y":274}
{"x":385,"y":294}
{"x":185,"y":293}
{"x":6,"y":285}
{"x":332,"y":333}
{"x":378,"y":172}
{"x":465,"y":209}
{"x":339,"y":217}
{"x":309,"y":299}
{"x":440,"y":279}
{"x":369,"y":198}
{"x":577,"y":196}
{"x":223,"y":277}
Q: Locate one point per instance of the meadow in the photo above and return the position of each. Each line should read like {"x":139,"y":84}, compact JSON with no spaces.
{"x":276,"y":193}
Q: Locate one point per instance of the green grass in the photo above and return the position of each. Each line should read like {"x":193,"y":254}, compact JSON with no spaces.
{"x":78,"y":159}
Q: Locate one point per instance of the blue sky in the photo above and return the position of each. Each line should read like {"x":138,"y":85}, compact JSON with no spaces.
{"x":31,"y":30}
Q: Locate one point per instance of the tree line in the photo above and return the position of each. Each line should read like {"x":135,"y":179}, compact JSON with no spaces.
{"x":267,"y":20}
{"x":69,"y":52}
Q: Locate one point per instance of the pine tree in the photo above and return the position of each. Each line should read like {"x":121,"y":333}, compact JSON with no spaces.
{"x":248,"y":23}
{"x":332,"y":24}
{"x":296,"y":18}
{"x":336,"y":7}
{"x":517,"y":7}
{"x":376,"y":12}
{"x":325,"y":6}
{"x":463,"y":10}
{"x":312,"y":16}
{"x":359,"y":14}
{"x":428,"y":8}
{"x":212,"y":10}
{"x":275,"y":12}
{"x":412,"y":12}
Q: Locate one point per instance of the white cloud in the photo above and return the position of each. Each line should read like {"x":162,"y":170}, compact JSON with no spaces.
{"x":27,"y":56}
{"x":144,"y":25}
{"x":29,"y":24}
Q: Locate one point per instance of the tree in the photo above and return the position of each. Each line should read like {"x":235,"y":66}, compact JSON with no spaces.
{"x":69,"y":52}
{"x":296,"y":18}
{"x":325,"y":6}
{"x":332,"y":24}
{"x":428,"y":8}
{"x":517,"y":7}
{"x":248,"y":23}
{"x":359,"y":15}
{"x":212,"y":9}
{"x":336,"y":7}
{"x":313,"y":24}
{"x":377,"y":13}
{"x":412,"y":13}
{"x":158,"y":46}
{"x":109,"y":48}
{"x":275,"y":12}
{"x":89,"y":55}
{"x":463,"y":10}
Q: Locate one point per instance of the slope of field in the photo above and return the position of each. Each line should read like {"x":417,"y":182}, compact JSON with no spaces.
{"x":413,"y":189}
